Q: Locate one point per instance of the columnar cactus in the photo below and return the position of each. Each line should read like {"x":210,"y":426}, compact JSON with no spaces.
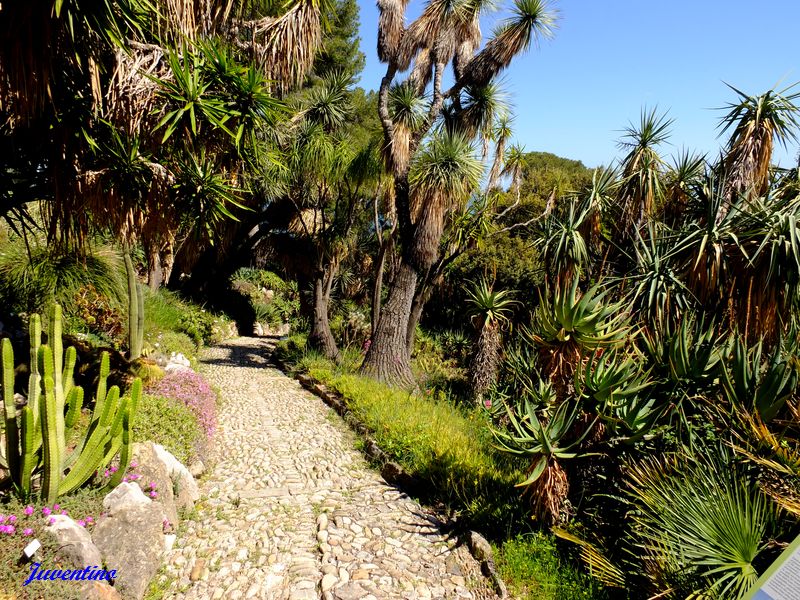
{"x":36,"y":445}
{"x":135,"y":311}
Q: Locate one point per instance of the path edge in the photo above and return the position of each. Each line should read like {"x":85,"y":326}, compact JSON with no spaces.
{"x":392,"y":472}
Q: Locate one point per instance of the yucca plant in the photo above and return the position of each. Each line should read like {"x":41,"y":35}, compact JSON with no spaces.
{"x":545,"y":441}
{"x":490,"y":310}
{"x":699,"y":523}
{"x":563,"y":244}
{"x":657,"y":291}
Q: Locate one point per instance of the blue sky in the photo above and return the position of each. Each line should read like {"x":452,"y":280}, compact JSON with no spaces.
{"x":611,"y":58}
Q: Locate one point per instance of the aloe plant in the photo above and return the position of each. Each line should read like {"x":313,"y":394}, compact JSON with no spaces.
{"x":759,"y":382}
{"x":620,"y":389}
{"x":36,"y":450}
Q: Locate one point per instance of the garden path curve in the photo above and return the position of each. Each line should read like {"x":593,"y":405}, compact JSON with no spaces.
{"x":291,"y":510}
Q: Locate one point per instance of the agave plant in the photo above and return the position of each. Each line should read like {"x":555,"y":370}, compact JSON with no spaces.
{"x":490,"y":310}
{"x":546,"y":442}
{"x":700,"y":522}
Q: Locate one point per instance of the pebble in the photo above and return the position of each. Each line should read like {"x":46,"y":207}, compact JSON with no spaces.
{"x":292,"y":511}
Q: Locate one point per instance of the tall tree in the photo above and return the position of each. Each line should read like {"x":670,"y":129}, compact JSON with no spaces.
{"x":445,"y":33}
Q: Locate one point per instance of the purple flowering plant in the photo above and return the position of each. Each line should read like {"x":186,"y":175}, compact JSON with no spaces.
{"x":195,"y":393}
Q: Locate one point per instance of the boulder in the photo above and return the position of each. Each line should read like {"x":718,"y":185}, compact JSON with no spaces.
{"x":184,"y":484}
{"x":125,"y":495}
{"x":131,"y":541}
{"x":153,"y":470}
{"x":75,"y":546}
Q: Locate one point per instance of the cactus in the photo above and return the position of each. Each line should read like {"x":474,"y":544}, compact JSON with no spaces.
{"x":135,"y":311}
{"x":35,"y":447}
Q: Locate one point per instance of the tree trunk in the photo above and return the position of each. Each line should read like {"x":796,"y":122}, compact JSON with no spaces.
{"x":421,"y":298}
{"x":321,"y":337}
{"x":168,"y":257}
{"x":387,"y":358}
{"x":377,"y":290}
{"x":154,"y":273}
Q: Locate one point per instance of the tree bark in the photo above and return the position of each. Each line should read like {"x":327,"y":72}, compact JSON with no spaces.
{"x":421,"y":297}
{"x":388,"y":359}
{"x":154,"y":273}
{"x":321,"y":337}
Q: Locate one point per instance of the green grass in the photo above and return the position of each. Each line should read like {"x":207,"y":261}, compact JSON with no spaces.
{"x":445,"y":446}
{"x":533,"y":570}
{"x":175,"y":325}
{"x":169,"y":423}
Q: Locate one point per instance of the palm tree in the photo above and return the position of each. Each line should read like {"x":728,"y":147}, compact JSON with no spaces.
{"x":490,"y":310}
{"x":446,"y":32}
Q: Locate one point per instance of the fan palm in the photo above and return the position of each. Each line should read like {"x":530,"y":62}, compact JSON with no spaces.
{"x":700,"y":522}
{"x":490,"y":310}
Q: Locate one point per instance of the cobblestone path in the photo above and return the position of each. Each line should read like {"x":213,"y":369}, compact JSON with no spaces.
{"x":290,"y":509}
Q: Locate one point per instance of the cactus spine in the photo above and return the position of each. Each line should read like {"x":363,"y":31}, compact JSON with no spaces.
{"x":37,"y":443}
{"x":135,"y":311}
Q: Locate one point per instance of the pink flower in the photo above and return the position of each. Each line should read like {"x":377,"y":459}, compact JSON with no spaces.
{"x":63,"y":512}
{"x":106,"y":474}
{"x":2,"y":519}
{"x":27,"y":531}
{"x":487,"y":403}
{"x":12,"y":519}
{"x":89,"y":520}
{"x":134,"y":464}
{"x":51,"y":521}
{"x":81,"y":522}
{"x":152,"y":485}
{"x":125,"y":479}
{"x":56,"y":507}
{"x":46,"y":511}
{"x":154,"y":494}
{"x":10,"y":529}
{"x":114,"y":469}
{"x":28,"y":510}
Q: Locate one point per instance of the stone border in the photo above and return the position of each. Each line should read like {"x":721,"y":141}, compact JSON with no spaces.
{"x":393,"y":472}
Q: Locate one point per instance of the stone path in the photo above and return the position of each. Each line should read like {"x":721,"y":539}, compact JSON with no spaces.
{"x":292,"y":511}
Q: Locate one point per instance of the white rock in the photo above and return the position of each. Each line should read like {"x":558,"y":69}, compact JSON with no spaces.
{"x":125,"y":495}
{"x":169,"y":541}
{"x":177,"y":470}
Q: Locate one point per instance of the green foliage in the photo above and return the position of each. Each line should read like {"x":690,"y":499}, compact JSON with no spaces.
{"x":135,"y":312}
{"x":36,"y":446}
{"x":174,"y":325}
{"x":32,"y":282}
{"x":702,"y":522}
{"x":588,"y":320}
{"x":534,"y":570}
{"x":273,"y":300}
{"x":442,"y":445}
{"x":169,"y":423}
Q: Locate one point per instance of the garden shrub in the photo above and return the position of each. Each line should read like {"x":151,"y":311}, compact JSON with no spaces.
{"x":171,"y":423}
{"x":270,"y":299}
{"x":194,"y":392}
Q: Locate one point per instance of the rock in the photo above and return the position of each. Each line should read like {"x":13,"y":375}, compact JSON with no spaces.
{"x":153,"y":470}
{"x":349,"y":591}
{"x":328,"y":581}
{"x":97,"y":590}
{"x":187,"y":491}
{"x":125,"y":495}
{"x":74,"y":543}
{"x":360,"y":574}
{"x":258,"y":329}
{"x":197,"y":569}
{"x":197,"y":468}
{"x":130,"y":541}
{"x":479,"y":547}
